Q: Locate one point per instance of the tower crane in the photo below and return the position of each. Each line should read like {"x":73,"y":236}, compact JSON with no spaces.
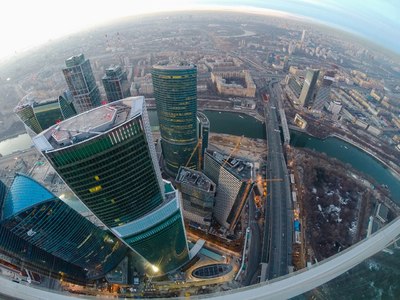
{"x":234,"y":150}
{"x":198,"y":146}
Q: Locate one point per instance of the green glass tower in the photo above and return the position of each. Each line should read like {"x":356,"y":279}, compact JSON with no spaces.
{"x":40,"y":115}
{"x":175,"y":91}
{"x":107,"y":157}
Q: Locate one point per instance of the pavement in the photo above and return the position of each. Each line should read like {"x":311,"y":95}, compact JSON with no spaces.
{"x":278,"y":237}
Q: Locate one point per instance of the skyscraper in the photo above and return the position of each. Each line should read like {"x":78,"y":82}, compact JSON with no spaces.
{"x":81,"y":82}
{"x":233,"y":186}
{"x":175,"y":91}
{"x":35,"y":215}
{"x":203,"y":133}
{"x":40,"y":115}
{"x":107,"y":157}
{"x":198,"y":193}
{"x":116,"y":84}
{"x":308,"y":92}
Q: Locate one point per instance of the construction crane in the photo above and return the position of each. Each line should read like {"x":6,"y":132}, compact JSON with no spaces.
{"x":198,"y":146}
{"x":234,"y":150}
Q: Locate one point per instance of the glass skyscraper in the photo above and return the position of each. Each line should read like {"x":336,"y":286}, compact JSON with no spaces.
{"x":175,"y":91}
{"x":81,"y":82}
{"x":38,"y":217}
{"x":308,"y":92}
{"x":116,"y":84}
{"x":233,"y":187}
{"x":107,"y":157}
{"x":40,"y":115}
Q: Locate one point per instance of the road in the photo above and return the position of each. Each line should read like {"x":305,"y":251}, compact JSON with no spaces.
{"x":278,"y":236}
{"x":254,"y":254}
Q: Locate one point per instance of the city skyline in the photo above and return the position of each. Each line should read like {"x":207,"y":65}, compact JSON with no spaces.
{"x":293,"y":185}
{"x":338,"y":14}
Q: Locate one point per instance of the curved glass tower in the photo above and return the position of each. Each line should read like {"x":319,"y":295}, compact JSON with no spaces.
{"x":40,"y":115}
{"x":107,"y":157}
{"x":35,"y":215}
{"x":175,"y":91}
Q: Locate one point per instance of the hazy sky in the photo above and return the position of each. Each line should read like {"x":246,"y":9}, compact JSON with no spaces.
{"x":26,"y":23}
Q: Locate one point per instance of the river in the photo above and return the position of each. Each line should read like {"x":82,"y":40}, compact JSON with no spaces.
{"x":20,"y":142}
{"x":242,"y":124}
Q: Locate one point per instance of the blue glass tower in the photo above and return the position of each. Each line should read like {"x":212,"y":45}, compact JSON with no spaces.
{"x":35,"y":215}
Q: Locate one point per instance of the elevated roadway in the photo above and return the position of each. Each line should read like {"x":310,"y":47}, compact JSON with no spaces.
{"x":277,"y":242}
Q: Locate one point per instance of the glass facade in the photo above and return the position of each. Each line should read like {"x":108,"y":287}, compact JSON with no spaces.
{"x":81,"y":82}
{"x":35,"y":215}
{"x":66,"y":104}
{"x":203,"y":132}
{"x":232,"y":191}
{"x":116,"y":84}
{"x":26,"y":114}
{"x":22,"y":253}
{"x":116,"y":195}
{"x":175,"y":91}
{"x":40,"y":115}
{"x":114,"y":172}
{"x":308,"y":92}
{"x":48,"y":113}
{"x":170,"y":234}
{"x":198,"y":193}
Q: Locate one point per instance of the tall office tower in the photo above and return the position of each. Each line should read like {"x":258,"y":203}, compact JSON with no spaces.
{"x":40,"y":115}
{"x":309,"y":90}
{"x":233,"y":180}
{"x":203,"y":133}
{"x":67,"y":104}
{"x":175,"y":91}
{"x":198,"y":192}
{"x":107,"y":157}
{"x":81,"y":82}
{"x":34,"y":214}
{"x":303,"y":35}
{"x":116,"y":84}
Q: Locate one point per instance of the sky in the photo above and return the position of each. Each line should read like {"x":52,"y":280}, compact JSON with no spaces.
{"x":28,"y":23}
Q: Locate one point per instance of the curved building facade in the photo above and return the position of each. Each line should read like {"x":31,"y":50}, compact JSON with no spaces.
{"x":38,"y":217}
{"x":175,"y":91}
{"x":107,"y":157}
{"x":40,"y":115}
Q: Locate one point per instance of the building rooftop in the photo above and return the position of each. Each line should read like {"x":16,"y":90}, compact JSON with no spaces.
{"x":238,"y":166}
{"x":75,"y":60}
{"x":203,"y":118}
{"x":171,"y":66}
{"x":195,"y":179}
{"x":113,"y":71}
{"x":90,"y":123}
{"x":32,"y":100}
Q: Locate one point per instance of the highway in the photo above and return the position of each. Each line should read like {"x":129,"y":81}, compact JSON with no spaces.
{"x":254,"y":254}
{"x":278,"y":235}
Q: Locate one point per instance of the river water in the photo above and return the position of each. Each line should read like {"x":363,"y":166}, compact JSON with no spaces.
{"x":20,"y":142}
{"x":242,"y":124}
